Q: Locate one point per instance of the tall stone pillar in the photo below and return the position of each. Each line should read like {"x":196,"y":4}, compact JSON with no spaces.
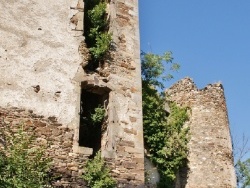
{"x":125,"y":119}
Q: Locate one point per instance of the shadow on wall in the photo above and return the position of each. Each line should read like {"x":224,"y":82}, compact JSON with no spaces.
{"x":182,"y":176}
{"x":152,"y":175}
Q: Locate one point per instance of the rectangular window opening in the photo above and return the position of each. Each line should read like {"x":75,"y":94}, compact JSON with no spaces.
{"x":93,"y":116}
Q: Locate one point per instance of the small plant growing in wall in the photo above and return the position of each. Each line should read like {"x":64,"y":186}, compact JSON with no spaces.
{"x":98,"y":116}
{"x":21,"y":164}
{"x":97,"y":174}
{"x":103,"y":41}
{"x":97,"y":37}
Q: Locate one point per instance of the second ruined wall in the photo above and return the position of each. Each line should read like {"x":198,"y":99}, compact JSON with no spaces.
{"x":210,"y":159}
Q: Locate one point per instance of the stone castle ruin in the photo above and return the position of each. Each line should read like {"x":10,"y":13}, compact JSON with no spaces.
{"x":210,"y":160}
{"x":44,"y":84}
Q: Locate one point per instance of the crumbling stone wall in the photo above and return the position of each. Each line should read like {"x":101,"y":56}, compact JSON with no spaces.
{"x":67,"y":165}
{"x":210,"y":159}
{"x":42,"y":55}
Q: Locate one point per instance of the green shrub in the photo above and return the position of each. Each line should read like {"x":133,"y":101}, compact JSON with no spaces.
{"x":101,"y":47}
{"x":97,"y":16}
{"x":175,"y":150}
{"x":97,"y":174}
{"x":21,"y":164}
{"x":165,"y":138}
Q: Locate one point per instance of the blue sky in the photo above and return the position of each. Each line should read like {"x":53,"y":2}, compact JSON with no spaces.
{"x":211,"y":41}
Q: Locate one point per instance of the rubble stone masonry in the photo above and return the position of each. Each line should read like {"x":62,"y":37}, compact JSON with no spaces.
{"x":67,"y":165}
{"x":210,"y":159}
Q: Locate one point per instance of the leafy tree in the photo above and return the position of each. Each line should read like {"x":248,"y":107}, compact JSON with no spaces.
{"x":242,"y":165}
{"x":243,"y":173}
{"x":21,"y":164}
{"x":153,"y":68}
{"x":165,"y":138}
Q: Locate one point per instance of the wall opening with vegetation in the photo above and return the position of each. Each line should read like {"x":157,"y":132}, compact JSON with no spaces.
{"x":97,"y":37}
{"x":94,"y":101}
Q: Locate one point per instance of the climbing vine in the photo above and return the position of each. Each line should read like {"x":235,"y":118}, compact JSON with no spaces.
{"x":165,"y":137}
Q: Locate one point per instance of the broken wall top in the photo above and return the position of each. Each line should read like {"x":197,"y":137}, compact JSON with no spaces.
{"x":186,"y":93}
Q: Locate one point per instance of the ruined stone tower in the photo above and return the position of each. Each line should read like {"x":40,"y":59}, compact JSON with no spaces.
{"x":43,"y":85}
{"x":210,"y":162}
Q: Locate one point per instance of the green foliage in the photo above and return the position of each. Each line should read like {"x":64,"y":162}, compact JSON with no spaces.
{"x":153,"y":68}
{"x":98,"y":116}
{"x":103,"y":41}
{"x":154,"y":119}
{"x":97,"y":37}
{"x":165,"y":137}
{"x":243,"y":173}
{"x":21,"y":164}
{"x":97,"y":174}
{"x":97,"y":16}
{"x":175,"y":150}
{"x":241,"y":151}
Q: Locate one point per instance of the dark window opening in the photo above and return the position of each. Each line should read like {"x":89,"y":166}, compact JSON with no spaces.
{"x":90,"y":133}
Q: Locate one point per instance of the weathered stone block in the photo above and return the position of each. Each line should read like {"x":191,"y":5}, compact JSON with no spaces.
{"x":129,"y":165}
{"x":48,"y":88}
{"x":85,"y":150}
{"x":132,"y":150}
{"x":127,"y":143}
{"x":130,"y":131}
